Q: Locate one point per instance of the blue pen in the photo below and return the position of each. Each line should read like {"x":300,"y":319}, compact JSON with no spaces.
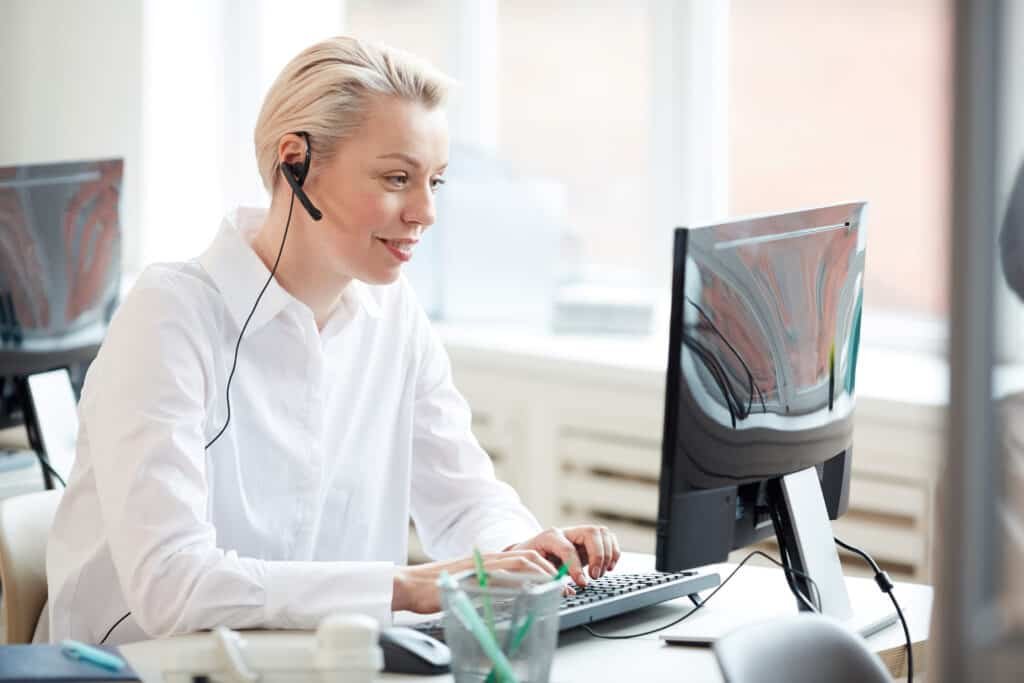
{"x":86,"y":653}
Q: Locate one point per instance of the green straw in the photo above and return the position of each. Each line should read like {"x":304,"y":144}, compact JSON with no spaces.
{"x":481,"y":577}
{"x":521,"y":633}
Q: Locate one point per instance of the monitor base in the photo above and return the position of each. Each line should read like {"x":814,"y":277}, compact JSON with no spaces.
{"x":874,"y":614}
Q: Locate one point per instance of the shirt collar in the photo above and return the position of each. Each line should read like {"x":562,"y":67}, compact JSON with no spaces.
{"x":239,"y":274}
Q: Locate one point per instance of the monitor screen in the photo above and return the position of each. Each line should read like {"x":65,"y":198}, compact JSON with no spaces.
{"x":762,"y":365}
{"x":60,"y":265}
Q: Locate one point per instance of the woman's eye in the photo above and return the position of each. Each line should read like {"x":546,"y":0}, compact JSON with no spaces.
{"x":397,"y":180}
{"x":436,"y":183}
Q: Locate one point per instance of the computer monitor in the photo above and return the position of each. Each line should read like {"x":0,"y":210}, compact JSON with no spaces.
{"x":60,"y":274}
{"x":758,"y":427}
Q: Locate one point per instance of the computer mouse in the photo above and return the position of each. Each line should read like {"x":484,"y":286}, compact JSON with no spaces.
{"x":407,"y":651}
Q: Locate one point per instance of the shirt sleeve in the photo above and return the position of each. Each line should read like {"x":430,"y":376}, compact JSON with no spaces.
{"x":145,"y":421}
{"x":457,"y":503}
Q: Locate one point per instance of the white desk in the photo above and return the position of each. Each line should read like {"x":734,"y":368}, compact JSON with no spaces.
{"x":581,"y":657}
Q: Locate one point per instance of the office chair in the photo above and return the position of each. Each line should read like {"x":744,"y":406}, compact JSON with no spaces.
{"x":806,"y":648}
{"x":25,"y":523}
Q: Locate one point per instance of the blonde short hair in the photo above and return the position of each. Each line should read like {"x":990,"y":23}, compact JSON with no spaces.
{"x":325,"y":91}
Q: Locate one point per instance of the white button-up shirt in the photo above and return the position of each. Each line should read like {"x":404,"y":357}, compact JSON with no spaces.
{"x":302,"y":507}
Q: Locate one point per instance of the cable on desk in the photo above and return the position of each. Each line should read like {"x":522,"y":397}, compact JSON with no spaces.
{"x":703,"y":602}
{"x":885,"y":583}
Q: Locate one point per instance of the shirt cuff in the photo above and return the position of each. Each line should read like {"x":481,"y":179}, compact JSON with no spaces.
{"x":300,"y":594}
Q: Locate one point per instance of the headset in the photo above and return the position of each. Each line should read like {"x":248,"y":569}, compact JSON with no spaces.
{"x":295,"y":174}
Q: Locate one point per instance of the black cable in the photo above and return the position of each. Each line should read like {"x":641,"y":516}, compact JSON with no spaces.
{"x":906,"y":634}
{"x":734,"y":402}
{"x":116,"y":624}
{"x":711,"y":363}
{"x":786,"y":562}
{"x":752,"y":387}
{"x":716,"y":372}
{"x":49,"y":468}
{"x":705,"y":600}
{"x":750,"y":375}
{"x":234,"y":362}
{"x":886,"y":584}
{"x":721,"y":377}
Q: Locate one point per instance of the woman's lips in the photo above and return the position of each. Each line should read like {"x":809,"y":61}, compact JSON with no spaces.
{"x":400,"y":249}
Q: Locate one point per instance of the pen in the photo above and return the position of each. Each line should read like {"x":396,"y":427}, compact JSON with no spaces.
{"x":73,"y":649}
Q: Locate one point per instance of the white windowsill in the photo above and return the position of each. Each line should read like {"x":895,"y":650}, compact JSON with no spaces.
{"x":898,"y":376}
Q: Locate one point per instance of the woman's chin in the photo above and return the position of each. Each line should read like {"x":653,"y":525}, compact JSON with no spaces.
{"x":382,"y":277}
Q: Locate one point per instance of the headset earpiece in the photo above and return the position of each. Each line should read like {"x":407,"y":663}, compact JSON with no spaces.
{"x":297,"y":171}
{"x":295,"y":175}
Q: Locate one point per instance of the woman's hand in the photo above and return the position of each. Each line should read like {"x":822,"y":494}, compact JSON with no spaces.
{"x":577,"y":546}
{"x":415,"y":588}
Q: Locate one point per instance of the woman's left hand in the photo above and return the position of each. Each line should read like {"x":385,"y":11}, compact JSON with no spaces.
{"x":593,"y":546}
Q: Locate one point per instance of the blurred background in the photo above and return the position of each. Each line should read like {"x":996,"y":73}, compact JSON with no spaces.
{"x":583,"y":133}
{"x":617,"y":121}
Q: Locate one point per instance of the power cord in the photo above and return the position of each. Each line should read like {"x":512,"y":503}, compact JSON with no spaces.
{"x":789,"y":570}
{"x":885,"y":583}
{"x":234,"y":362}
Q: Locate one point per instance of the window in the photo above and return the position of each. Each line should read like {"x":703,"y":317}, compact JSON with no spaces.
{"x":570,"y":105}
{"x":574,"y":92}
{"x":634,"y":117}
{"x":421,"y":27}
{"x":835,"y":100}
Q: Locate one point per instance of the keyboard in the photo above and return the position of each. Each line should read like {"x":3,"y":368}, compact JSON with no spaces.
{"x":612,"y":595}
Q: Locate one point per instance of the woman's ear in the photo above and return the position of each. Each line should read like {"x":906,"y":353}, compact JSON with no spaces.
{"x":293,"y":154}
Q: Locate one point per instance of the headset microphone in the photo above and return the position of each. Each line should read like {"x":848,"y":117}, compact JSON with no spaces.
{"x":296,"y":174}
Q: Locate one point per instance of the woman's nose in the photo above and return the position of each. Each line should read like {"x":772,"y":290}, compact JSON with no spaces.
{"x":421,"y":210}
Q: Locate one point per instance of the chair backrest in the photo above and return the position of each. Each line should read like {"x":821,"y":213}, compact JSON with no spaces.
{"x":806,"y":648}
{"x":25,"y":523}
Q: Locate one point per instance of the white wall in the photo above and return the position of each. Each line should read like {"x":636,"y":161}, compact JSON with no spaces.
{"x":201,"y":97}
{"x":70,"y":88}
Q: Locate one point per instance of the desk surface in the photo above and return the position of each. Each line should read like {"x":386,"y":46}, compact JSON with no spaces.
{"x":581,"y":657}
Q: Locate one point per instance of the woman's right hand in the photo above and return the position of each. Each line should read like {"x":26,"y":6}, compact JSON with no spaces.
{"x":415,"y":587}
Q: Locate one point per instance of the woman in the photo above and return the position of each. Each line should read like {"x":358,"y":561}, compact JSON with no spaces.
{"x":288,"y":497}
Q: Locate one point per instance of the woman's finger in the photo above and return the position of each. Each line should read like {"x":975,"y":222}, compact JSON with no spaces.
{"x":589,"y":537}
{"x":538,"y":559}
{"x":616,"y":550}
{"x":606,"y":543}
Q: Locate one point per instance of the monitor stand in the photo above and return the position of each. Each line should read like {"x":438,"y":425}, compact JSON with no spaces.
{"x":805,"y":535}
